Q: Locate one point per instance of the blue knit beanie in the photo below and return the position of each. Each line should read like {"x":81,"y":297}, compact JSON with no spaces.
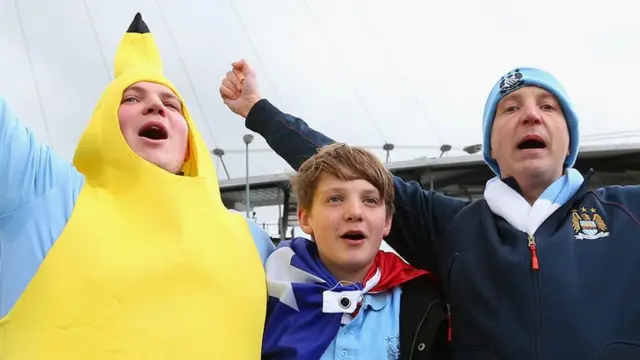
{"x":514,"y":80}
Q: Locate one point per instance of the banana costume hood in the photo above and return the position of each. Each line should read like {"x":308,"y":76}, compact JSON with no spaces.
{"x":150,"y":265}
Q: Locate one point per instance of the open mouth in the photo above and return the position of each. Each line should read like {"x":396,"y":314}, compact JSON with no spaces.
{"x":353,"y":235}
{"x":531,"y":142}
{"x":153,"y":131}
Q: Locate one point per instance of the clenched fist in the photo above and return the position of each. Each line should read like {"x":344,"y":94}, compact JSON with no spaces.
{"x":239,"y":89}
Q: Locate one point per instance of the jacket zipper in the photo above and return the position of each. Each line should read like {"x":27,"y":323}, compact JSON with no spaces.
{"x":449,"y":330}
{"x":450,"y":325}
{"x":535,"y":267}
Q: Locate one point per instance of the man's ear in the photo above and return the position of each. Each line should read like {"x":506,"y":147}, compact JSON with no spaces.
{"x":304,"y":218}
{"x":490,"y":144}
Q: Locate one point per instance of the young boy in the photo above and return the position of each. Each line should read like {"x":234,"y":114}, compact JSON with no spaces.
{"x":338,"y":296}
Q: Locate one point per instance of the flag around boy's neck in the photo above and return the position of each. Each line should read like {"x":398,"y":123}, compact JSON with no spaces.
{"x":297,"y":281}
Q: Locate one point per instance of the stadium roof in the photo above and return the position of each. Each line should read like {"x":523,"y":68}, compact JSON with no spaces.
{"x":462,"y":176}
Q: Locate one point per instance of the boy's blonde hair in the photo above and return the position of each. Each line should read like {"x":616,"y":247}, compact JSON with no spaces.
{"x":346,"y":163}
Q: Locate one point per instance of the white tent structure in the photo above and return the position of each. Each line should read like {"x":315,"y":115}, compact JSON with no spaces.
{"x":408,"y":72}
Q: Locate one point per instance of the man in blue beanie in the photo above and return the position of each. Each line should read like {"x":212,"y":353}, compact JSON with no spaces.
{"x":542,"y":267}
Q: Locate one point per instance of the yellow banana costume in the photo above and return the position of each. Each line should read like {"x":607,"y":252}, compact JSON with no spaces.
{"x":151,"y":265}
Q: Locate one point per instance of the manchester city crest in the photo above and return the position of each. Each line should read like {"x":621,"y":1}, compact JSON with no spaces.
{"x":588,"y":225}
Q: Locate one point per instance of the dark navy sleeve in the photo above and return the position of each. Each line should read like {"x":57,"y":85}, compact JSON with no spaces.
{"x":420,"y":220}
{"x":626,"y":198}
{"x":289,"y":136}
{"x":421,"y":216}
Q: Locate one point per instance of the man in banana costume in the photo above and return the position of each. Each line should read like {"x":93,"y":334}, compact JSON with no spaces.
{"x":129,"y":252}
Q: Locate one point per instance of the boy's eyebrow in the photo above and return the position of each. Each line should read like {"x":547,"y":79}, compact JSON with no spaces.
{"x":332,"y":190}
{"x":372,"y":192}
{"x":337,"y":189}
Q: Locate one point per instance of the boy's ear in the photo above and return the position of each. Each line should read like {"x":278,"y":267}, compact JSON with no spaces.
{"x":303,"y":220}
{"x":387,"y":225}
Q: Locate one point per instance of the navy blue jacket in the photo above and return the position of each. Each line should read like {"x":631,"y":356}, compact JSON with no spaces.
{"x":583,"y":300}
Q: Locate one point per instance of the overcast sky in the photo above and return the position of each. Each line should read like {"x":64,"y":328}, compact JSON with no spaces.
{"x":412,"y":72}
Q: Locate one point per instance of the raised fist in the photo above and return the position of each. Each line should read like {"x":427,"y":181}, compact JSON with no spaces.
{"x":239,"y":88}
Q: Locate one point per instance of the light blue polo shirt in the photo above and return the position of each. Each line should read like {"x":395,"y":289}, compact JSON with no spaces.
{"x":373,"y":334}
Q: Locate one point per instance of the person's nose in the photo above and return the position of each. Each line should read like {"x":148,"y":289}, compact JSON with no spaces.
{"x":531,"y":115}
{"x":155,"y":106}
{"x":353,"y":211}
